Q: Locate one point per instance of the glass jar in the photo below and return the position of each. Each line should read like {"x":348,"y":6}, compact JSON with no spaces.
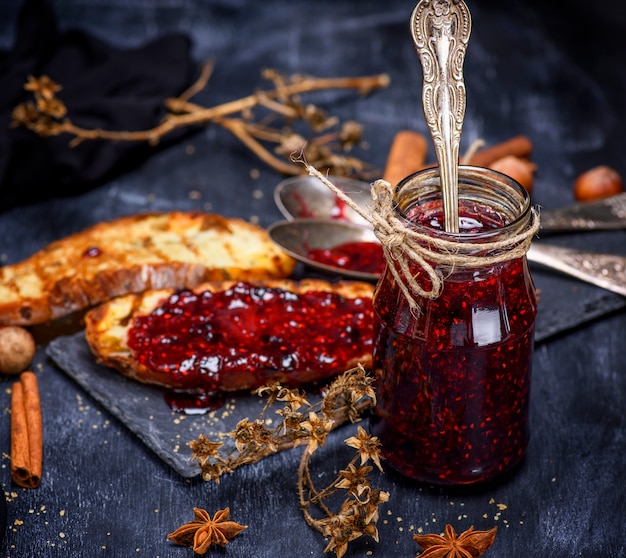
{"x":453,"y":374}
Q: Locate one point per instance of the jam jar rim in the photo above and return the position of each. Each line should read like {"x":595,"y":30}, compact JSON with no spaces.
{"x":520,"y":222}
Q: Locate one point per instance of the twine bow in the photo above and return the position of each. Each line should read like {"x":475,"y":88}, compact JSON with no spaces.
{"x":403,"y":245}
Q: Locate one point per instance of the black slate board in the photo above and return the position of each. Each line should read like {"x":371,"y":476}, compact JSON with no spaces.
{"x":143,"y":409}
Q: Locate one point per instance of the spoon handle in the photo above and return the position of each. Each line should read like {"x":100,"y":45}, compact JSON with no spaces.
{"x":441,"y":30}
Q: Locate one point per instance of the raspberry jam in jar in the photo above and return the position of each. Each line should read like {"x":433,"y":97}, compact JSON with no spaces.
{"x":453,"y":374}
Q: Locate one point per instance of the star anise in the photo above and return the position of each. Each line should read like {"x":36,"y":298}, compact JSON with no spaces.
{"x":203,"y":532}
{"x":469,"y":544}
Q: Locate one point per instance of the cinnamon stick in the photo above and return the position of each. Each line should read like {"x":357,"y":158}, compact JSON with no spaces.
{"x":519,"y":146}
{"x":406,"y":156}
{"x":26,"y":432}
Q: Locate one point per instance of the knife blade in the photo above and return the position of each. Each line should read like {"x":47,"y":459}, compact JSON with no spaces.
{"x":607,"y":271}
{"x":604,"y":214}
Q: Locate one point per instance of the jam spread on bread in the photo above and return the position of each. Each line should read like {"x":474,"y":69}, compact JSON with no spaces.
{"x":201,"y":338}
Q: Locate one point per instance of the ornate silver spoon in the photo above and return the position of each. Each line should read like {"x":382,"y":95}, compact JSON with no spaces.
{"x":441,"y":30}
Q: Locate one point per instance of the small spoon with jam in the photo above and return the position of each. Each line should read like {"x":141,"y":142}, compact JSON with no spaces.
{"x":334,"y":247}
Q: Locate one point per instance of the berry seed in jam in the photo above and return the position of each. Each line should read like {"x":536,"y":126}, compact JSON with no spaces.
{"x":249,"y":336}
{"x":453,"y":379}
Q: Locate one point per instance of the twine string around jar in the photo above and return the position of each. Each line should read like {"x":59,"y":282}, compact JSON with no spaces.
{"x":403,"y":245}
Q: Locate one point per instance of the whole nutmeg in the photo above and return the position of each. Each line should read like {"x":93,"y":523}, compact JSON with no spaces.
{"x":17,"y":349}
{"x":519,"y":169}
{"x":598,"y":182}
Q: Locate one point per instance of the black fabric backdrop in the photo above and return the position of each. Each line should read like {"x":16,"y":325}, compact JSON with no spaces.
{"x":103,"y":86}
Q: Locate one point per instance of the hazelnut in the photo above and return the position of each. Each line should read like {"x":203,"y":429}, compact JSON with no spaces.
{"x":17,"y":349}
{"x":519,"y":169}
{"x":598,"y":182}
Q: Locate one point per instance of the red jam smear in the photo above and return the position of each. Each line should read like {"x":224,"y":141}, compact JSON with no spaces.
{"x":254,"y":331}
{"x":363,"y":256}
{"x":196,"y":402}
{"x":453,"y":381}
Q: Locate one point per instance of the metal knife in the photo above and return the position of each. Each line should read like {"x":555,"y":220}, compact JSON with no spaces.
{"x":604,"y":214}
{"x":603,"y":270}
{"x":607,"y":271}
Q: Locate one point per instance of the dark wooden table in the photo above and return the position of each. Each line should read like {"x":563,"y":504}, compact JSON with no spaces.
{"x":554,"y":73}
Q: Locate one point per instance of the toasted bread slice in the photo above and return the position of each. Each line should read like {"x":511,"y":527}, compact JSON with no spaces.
{"x":133,"y":254}
{"x":232,"y":336}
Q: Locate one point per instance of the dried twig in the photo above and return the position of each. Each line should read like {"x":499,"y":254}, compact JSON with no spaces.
{"x":346,"y":398}
{"x":206,"y":71}
{"x":47,"y":116}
